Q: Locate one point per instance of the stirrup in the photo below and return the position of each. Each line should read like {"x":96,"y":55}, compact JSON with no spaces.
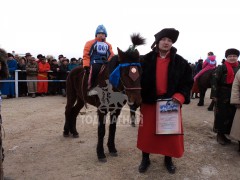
{"x":92,"y":92}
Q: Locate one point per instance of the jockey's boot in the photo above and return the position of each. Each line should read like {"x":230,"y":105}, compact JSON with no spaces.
{"x":169,"y":164}
{"x":145,"y":163}
{"x":222,"y":139}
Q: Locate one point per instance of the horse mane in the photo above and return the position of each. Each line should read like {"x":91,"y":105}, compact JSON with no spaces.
{"x":3,"y":60}
{"x":132,"y":54}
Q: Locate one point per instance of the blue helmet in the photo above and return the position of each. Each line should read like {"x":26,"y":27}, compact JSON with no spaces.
{"x":101,"y":29}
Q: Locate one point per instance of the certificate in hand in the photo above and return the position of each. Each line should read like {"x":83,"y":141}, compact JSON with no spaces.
{"x":168,"y":117}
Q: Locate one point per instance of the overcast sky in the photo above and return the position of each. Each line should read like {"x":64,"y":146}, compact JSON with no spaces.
{"x":53,"y":27}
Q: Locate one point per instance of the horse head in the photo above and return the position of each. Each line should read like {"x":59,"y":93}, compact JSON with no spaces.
{"x":129,"y":68}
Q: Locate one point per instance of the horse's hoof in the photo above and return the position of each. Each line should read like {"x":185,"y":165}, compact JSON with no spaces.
{"x":102,"y":160}
{"x":133,"y":125}
{"x":200,"y":104}
{"x":112,"y":150}
{"x":210,"y":109}
{"x":113,"y":154}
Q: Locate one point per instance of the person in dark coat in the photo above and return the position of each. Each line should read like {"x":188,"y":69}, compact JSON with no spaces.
{"x":165,"y":75}
{"x":53,"y":87}
{"x":22,"y":86}
{"x":63,"y":76}
{"x":222,"y":81}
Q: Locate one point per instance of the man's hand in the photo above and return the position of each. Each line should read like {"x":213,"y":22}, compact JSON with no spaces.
{"x":176,"y":101}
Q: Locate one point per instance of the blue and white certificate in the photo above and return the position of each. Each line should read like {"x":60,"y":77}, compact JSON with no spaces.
{"x":168,"y":117}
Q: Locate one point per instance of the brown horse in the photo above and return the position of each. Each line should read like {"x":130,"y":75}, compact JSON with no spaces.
{"x":204,"y":82}
{"x":123,"y":71}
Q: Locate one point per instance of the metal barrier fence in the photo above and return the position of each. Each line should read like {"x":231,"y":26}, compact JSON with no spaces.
{"x":16,"y":80}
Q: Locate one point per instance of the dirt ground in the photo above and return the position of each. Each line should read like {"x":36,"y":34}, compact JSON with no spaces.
{"x":35,"y":148}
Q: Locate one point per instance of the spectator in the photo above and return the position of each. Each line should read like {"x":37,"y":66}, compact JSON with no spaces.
{"x":43,"y":68}
{"x":54,"y":75}
{"x":222,"y":81}
{"x":32,"y":72}
{"x":22,"y":86}
{"x":28,"y":57}
{"x":73,"y":64}
{"x":63,"y":76}
{"x":8,"y":88}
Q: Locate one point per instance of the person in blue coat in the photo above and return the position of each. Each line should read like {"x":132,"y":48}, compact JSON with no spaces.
{"x":72,"y":64}
{"x":8,"y":88}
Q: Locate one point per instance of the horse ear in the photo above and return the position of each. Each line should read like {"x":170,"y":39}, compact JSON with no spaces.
{"x":120,"y":54}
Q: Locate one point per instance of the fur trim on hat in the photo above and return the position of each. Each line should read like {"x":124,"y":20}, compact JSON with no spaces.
{"x":232,"y":51}
{"x":170,"y":33}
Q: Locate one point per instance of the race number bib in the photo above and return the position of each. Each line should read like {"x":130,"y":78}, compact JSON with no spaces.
{"x":101,"y":47}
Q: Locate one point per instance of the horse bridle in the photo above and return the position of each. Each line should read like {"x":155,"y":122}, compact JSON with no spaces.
{"x":129,"y":88}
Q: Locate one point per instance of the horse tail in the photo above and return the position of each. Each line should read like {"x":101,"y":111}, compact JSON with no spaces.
{"x":137,"y":40}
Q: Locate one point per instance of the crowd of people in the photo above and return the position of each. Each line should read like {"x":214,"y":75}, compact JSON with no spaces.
{"x":38,"y":68}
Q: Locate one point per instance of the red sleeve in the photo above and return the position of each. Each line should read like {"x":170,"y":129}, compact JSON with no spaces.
{"x":179,"y":97}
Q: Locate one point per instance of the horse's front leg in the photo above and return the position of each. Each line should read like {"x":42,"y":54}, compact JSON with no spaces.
{"x":112,"y":131}
{"x":101,"y":133}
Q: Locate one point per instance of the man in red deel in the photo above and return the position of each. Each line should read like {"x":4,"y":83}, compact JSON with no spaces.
{"x":165,"y":75}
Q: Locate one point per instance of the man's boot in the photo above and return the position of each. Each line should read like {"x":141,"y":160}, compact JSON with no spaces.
{"x":145,"y":163}
{"x":222,"y":139}
{"x":169,"y":164}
